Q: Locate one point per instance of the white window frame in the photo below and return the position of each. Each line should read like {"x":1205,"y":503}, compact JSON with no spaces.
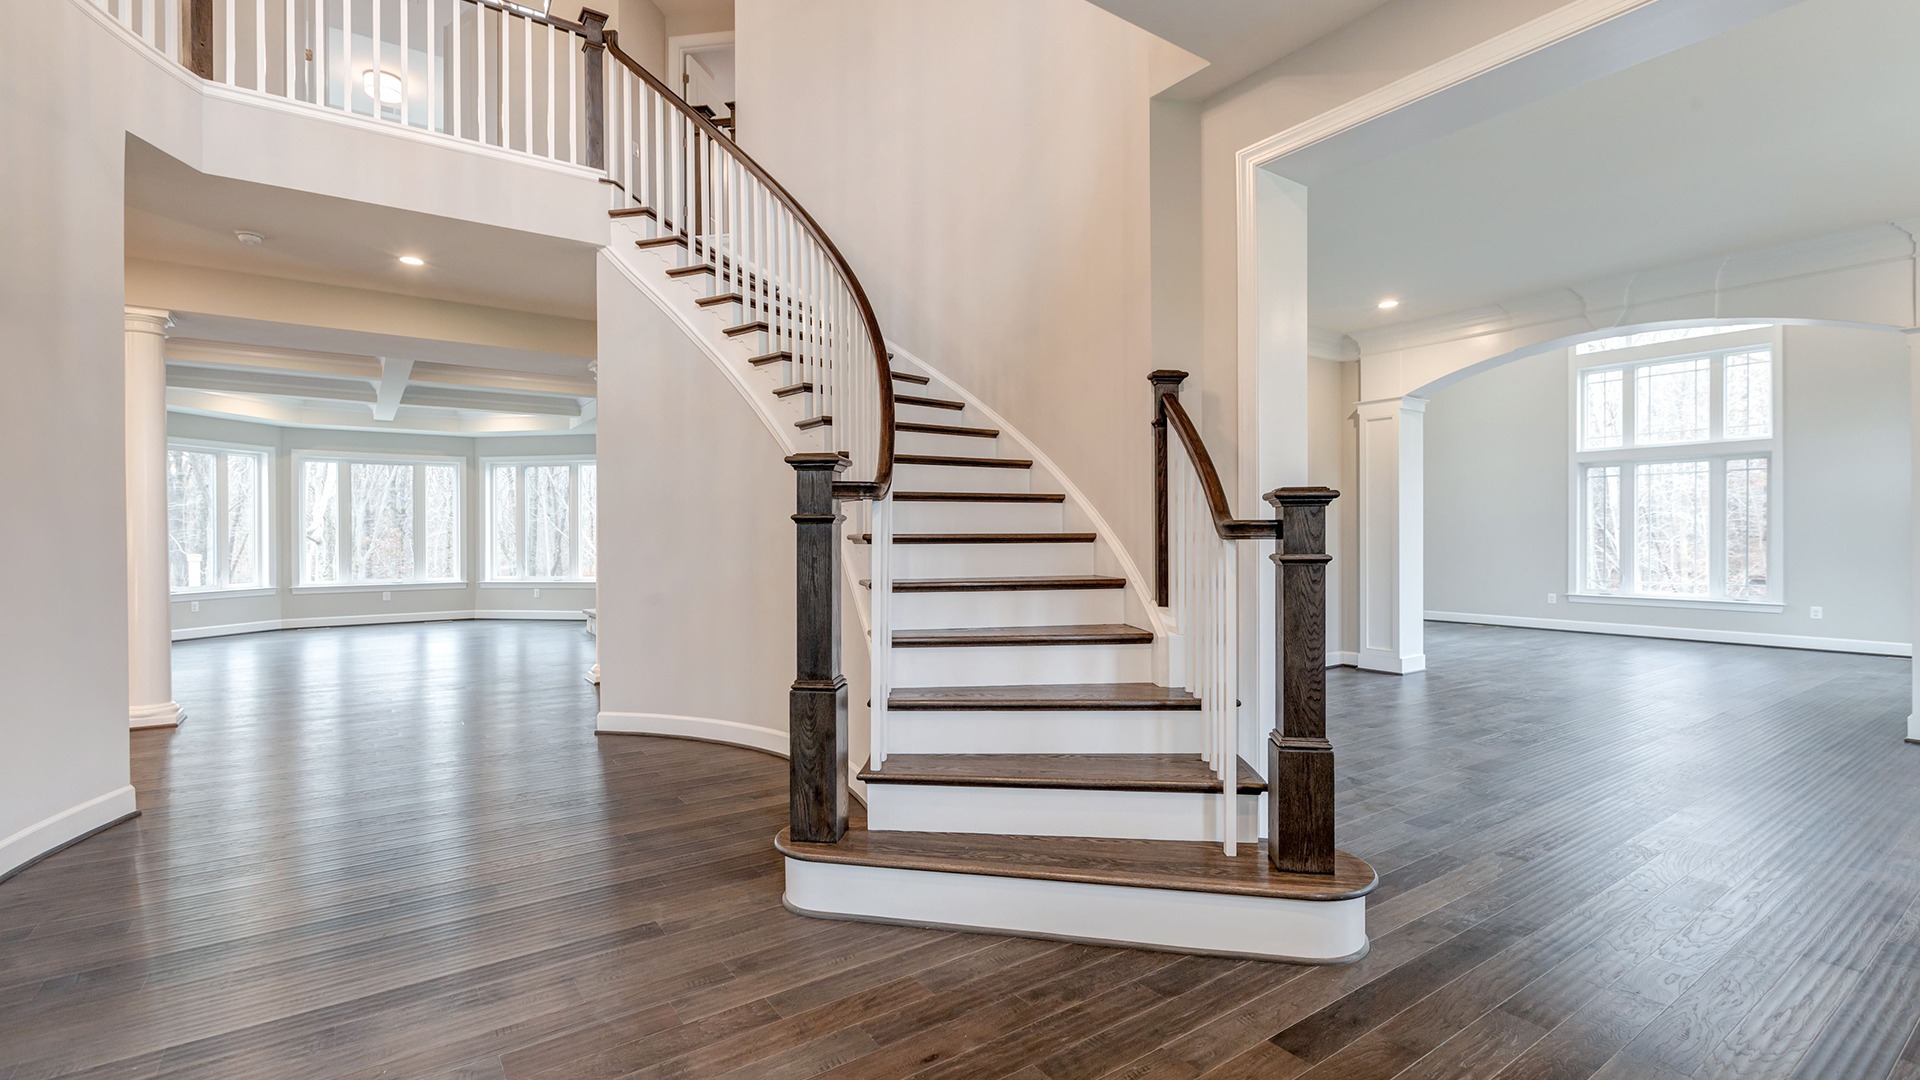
{"x":344,"y":508}
{"x":263,"y":528}
{"x":1715,"y":449}
{"x":487,"y":465}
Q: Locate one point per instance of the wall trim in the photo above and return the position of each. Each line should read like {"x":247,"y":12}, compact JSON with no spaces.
{"x":64,"y":829}
{"x":700,"y":728}
{"x":1342,"y":659}
{"x":1682,"y":633}
{"x":193,"y":633}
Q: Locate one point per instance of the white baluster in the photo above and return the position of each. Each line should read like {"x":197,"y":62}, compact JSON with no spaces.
{"x":406,"y":63}
{"x":456,"y":86}
{"x":553,"y":90}
{"x":526,"y":83}
{"x":377,"y":34}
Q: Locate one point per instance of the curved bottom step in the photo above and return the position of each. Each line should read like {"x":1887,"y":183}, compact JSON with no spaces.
{"x":1141,"y":894}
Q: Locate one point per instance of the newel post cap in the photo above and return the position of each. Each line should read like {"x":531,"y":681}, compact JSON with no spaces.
{"x":1166,"y":380}
{"x":1301,"y":496}
{"x":828,"y":460}
{"x":594,"y":23}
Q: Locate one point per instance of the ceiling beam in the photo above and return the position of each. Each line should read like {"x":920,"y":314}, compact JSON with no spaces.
{"x":264,"y":384}
{"x":482,"y":401}
{"x":427,"y":373}
{"x":393,"y":384}
{"x":221,"y":354}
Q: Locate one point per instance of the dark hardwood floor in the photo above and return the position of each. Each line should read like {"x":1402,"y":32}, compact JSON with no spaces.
{"x":401,"y":852}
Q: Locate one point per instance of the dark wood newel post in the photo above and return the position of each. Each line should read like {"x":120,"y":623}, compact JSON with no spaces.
{"x":593,"y":25}
{"x":1299,"y":757}
{"x":817,"y":706}
{"x":200,"y":38}
{"x":1165,"y":384}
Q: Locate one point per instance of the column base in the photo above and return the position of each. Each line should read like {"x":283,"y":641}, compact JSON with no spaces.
{"x":1381,"y":660}
{"x":156,"y":716}
{"x":593,"y":674}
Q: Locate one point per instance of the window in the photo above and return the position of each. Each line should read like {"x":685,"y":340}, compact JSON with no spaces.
{"x":540,"y":520}
{"x":369,"y":520}
{"x":1676,"y":467}
{"x":216,"y":518}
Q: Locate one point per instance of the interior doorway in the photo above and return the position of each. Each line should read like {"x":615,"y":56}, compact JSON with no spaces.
{"x":702,"y":69}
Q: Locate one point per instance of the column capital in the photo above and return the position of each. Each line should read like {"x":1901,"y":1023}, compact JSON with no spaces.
{"x":141,"y":320}
{"x":1389,"y":406}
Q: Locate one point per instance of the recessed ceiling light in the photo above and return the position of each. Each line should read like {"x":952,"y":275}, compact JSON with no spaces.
{"x":412,"y":260}
{"x":250,"y":239}
{"x":1389,"y":304}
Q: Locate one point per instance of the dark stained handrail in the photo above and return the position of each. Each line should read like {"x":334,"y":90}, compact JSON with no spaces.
{"x":882,"y":480}
{"x":1224,"y":523}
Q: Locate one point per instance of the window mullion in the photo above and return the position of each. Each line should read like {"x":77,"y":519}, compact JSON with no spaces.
{"x":523,"y":472}
{"x":221,"y":541}
{"x":1629,"y":523}
{"x":573,"y":519}
{"x":1717,"y":527}
{"x":343,"y":548}
{"x":419,"y":522}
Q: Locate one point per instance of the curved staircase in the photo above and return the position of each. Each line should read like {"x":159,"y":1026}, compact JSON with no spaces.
{"x":1046,"y":757}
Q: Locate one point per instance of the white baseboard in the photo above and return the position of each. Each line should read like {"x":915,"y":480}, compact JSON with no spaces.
{"x":1680,"y":633}
{"x":1343,"y":659}
{"x":192,"y":633}
{"x":74,"y":823}
{"x":703,"y":728}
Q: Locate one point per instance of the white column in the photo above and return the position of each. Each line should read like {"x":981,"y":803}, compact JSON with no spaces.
{"x":1913,"y":517}
{"x":1392,"y":535}
{"x":149,"y":610}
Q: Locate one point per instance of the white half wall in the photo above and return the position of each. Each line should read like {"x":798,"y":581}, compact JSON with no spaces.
{"x":696,"y":538}
{"x":1498,"y":488}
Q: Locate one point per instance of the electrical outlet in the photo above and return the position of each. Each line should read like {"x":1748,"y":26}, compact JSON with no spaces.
{"x":1816,"y":613}
{"x":536,"y":594}
{"x":1553,"y":598}
{"x":195,"y":606}
{"x":386,"y":596}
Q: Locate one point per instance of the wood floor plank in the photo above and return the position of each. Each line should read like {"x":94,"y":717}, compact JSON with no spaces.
{"x":400,"y":851}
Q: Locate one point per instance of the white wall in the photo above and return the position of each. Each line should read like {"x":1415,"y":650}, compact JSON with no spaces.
{"x":74,"y":89}
{"x":290,"y":608}
{"x":1498,"y":486}
{"x":697,"y":538}
{"x":985,"y":168}
{"x":642,"y":29}
{"x":1333,"y":451}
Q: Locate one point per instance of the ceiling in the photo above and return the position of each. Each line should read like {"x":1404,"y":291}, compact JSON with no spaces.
{"x":1236,"y":37}
{"x":301,"y":376}
{"x":1795,"y":125}
{"x":177,"y":214}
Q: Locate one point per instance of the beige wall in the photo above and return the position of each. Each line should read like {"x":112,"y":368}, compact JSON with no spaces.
{"x":643,"y":33}
{"x":308,"y":607}
{"x":1498,"y":484}
{"x":696,"y":584}
{"x":1333,"y":450}
{"x":1001,"y":223}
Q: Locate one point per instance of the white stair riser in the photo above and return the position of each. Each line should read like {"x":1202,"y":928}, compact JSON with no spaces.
{"x":977,"y":517}
{"x":1051,"y":607}
{"x":1066,"y":731}
{"x":1018,"y":811}
{"x":990,"y":560}
{"x":960,"y":478}
{"x":1178,"y":920}
{"x":926,"y":414}
{"x":922,"y":442}
{"x":1020,"y":665}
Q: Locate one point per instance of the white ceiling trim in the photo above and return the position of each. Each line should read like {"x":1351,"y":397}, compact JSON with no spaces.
{"x":258,"y":409}
{"x":1613,"y":301}
{"x":1331,"y":345}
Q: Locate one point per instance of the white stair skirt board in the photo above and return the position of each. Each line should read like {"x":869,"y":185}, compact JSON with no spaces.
{"x":909,"y":477}
{"x":1025,"y":811}
{"x":1321,"y":931}
{"x":1066,"y":731}
{"x":1023,"y":607}
{"x":69,"y":826}
{"x":702,"y":728}
{"x":929,"y":442}
{"x":1022,"y":665}
{"x":990,"y":560}
{"x":977,"y":517}
{"x":166,"y":715}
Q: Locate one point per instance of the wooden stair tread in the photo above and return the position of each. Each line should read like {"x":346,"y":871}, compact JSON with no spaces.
{"x":947,"y":429}
{"x":1098,"y":772}
{"x":662,"y":241}
{"x":771,"y":358}
{"x":721,"y":298}
{"x":963,"y":462}
{"x":991,"y":636}
{"x":796,"y":388}
{"x":755,"y":327}
{"x":1035,"y":583}
{"x":1190,"y":866}
{"x":813,"y":422}
{"x":688,"y":271}
{"x":632,"y":211}
{"x":928,"y":402}
{"x":904,"y":376}
{"x":1102,"y":696}
{"x":985,"y":538}
{"x":977,"y":496}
